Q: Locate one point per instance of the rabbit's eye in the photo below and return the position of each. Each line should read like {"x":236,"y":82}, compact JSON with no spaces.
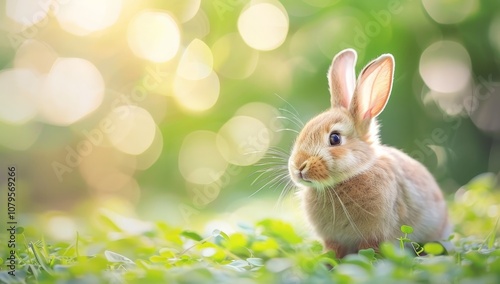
{"x":335,"y":139}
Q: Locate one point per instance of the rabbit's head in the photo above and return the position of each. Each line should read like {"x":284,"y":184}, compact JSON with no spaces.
{"x":343,"y":141}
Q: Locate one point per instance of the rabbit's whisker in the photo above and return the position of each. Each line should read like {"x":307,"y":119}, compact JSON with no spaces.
{"x":348,"y":216}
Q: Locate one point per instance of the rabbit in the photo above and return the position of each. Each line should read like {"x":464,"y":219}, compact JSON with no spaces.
{"x":355,"y":191}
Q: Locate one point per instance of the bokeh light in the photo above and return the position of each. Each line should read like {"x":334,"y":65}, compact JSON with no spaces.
{"x":36,"y":55}
{"x":484,"y":113}
{"x":197,"y":95}
{"x":132,"y":129}
{"x":243,"y":140}
{"x":267,"y":114}
{"x":27,"y":12}
{"x":73,"y":89}
{"x":154,"y":35}
{"x":199,"y":159}
{"x":84,"y":17}
{"x":151,"y":155}
{"x":228,"y":60}
{"x":450,"y":12}
{"x":61,"y":227}
{"x":117,"y":184}
{"x":18,"y":89}
{"x":494,"y":32}
{"x":162,"y":99}
{"x":184,"y":10}
{"x":445,"y":67}
{"x":109,"y":173}
{"x":264,"y":26}
{"x":196,"y":62}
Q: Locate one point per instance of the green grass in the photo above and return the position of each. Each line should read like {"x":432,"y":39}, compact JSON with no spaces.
{"x":269,"y":251}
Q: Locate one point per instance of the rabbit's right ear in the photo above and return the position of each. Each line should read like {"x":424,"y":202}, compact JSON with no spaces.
{"x":342,"y":78}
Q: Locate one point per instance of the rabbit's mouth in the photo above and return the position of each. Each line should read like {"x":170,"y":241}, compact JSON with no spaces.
{"x":313,"y":172}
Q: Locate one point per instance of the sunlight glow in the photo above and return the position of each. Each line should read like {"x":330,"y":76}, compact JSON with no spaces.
{"x":445,"y":66}
{"x":197,"y":95}
{"x":450,"y":12}
{"x":196,"y":62}
{"x":27,"y":12}
{"x":267,"y":114}
{"x":154,"y":36}
{"x":73,"y":89}
{"x":133,"y":129}
{"x":103,"y":162}
{"x":36,"y":55}
{"x":264,"y":26}
{"x":84,"y":17}
{"x":184,"y":10}
{"x":228,"y":61}
{"x":199,"y":160}
{"x":243,"y":140}
{"x":109,"y":172}
{"x":18,"y":90}
{"x":117,"y":184}
{"x":484,"y":113}
{"x":151,"y":155}
{"x":61,"y":228}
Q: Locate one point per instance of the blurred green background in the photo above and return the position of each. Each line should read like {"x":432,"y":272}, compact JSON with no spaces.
{"x":166,"y":109}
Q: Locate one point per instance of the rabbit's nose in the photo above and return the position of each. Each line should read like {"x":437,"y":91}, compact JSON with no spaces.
{"x":303,"y":170}
{"x":303,"y":166}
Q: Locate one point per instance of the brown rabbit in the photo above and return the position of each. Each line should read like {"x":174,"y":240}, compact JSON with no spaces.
{"x":357,"y":192}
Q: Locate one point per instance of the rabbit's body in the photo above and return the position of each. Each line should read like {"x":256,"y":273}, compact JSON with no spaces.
{"x":371,"y":206}
{"x":357,"y":192}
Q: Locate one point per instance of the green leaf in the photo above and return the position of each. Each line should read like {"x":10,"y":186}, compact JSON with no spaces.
{"x":417,"y":248}
{"x":157,"y":258}
{"x":433,"y":248}
{"x":269,"y":247}
{"x":368,"y":253}
{"x":168,"y":252}
{"x":359,"y":260}
{"x":115,"y":257}
{"x":239,"y":263}
{"x":255,"y":261}
{"x":40,"y":258}
{"x":406,"y":229}
{"x":224,"y":235}
{"x":493,"y":235}
{"x":191,"y":235}
{"x":281,"y":230}
{"x":482,"y":182}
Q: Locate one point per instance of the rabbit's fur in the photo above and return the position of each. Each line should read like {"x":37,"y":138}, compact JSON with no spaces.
{"x":358,"y":193}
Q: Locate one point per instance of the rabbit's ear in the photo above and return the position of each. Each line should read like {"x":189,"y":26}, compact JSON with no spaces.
{"x":373,"y":88}
{"x":341,"y":78}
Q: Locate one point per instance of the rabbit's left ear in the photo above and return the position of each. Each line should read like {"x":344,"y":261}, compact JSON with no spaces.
{"x":341,"y":78}
{"x":373,"y":89}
